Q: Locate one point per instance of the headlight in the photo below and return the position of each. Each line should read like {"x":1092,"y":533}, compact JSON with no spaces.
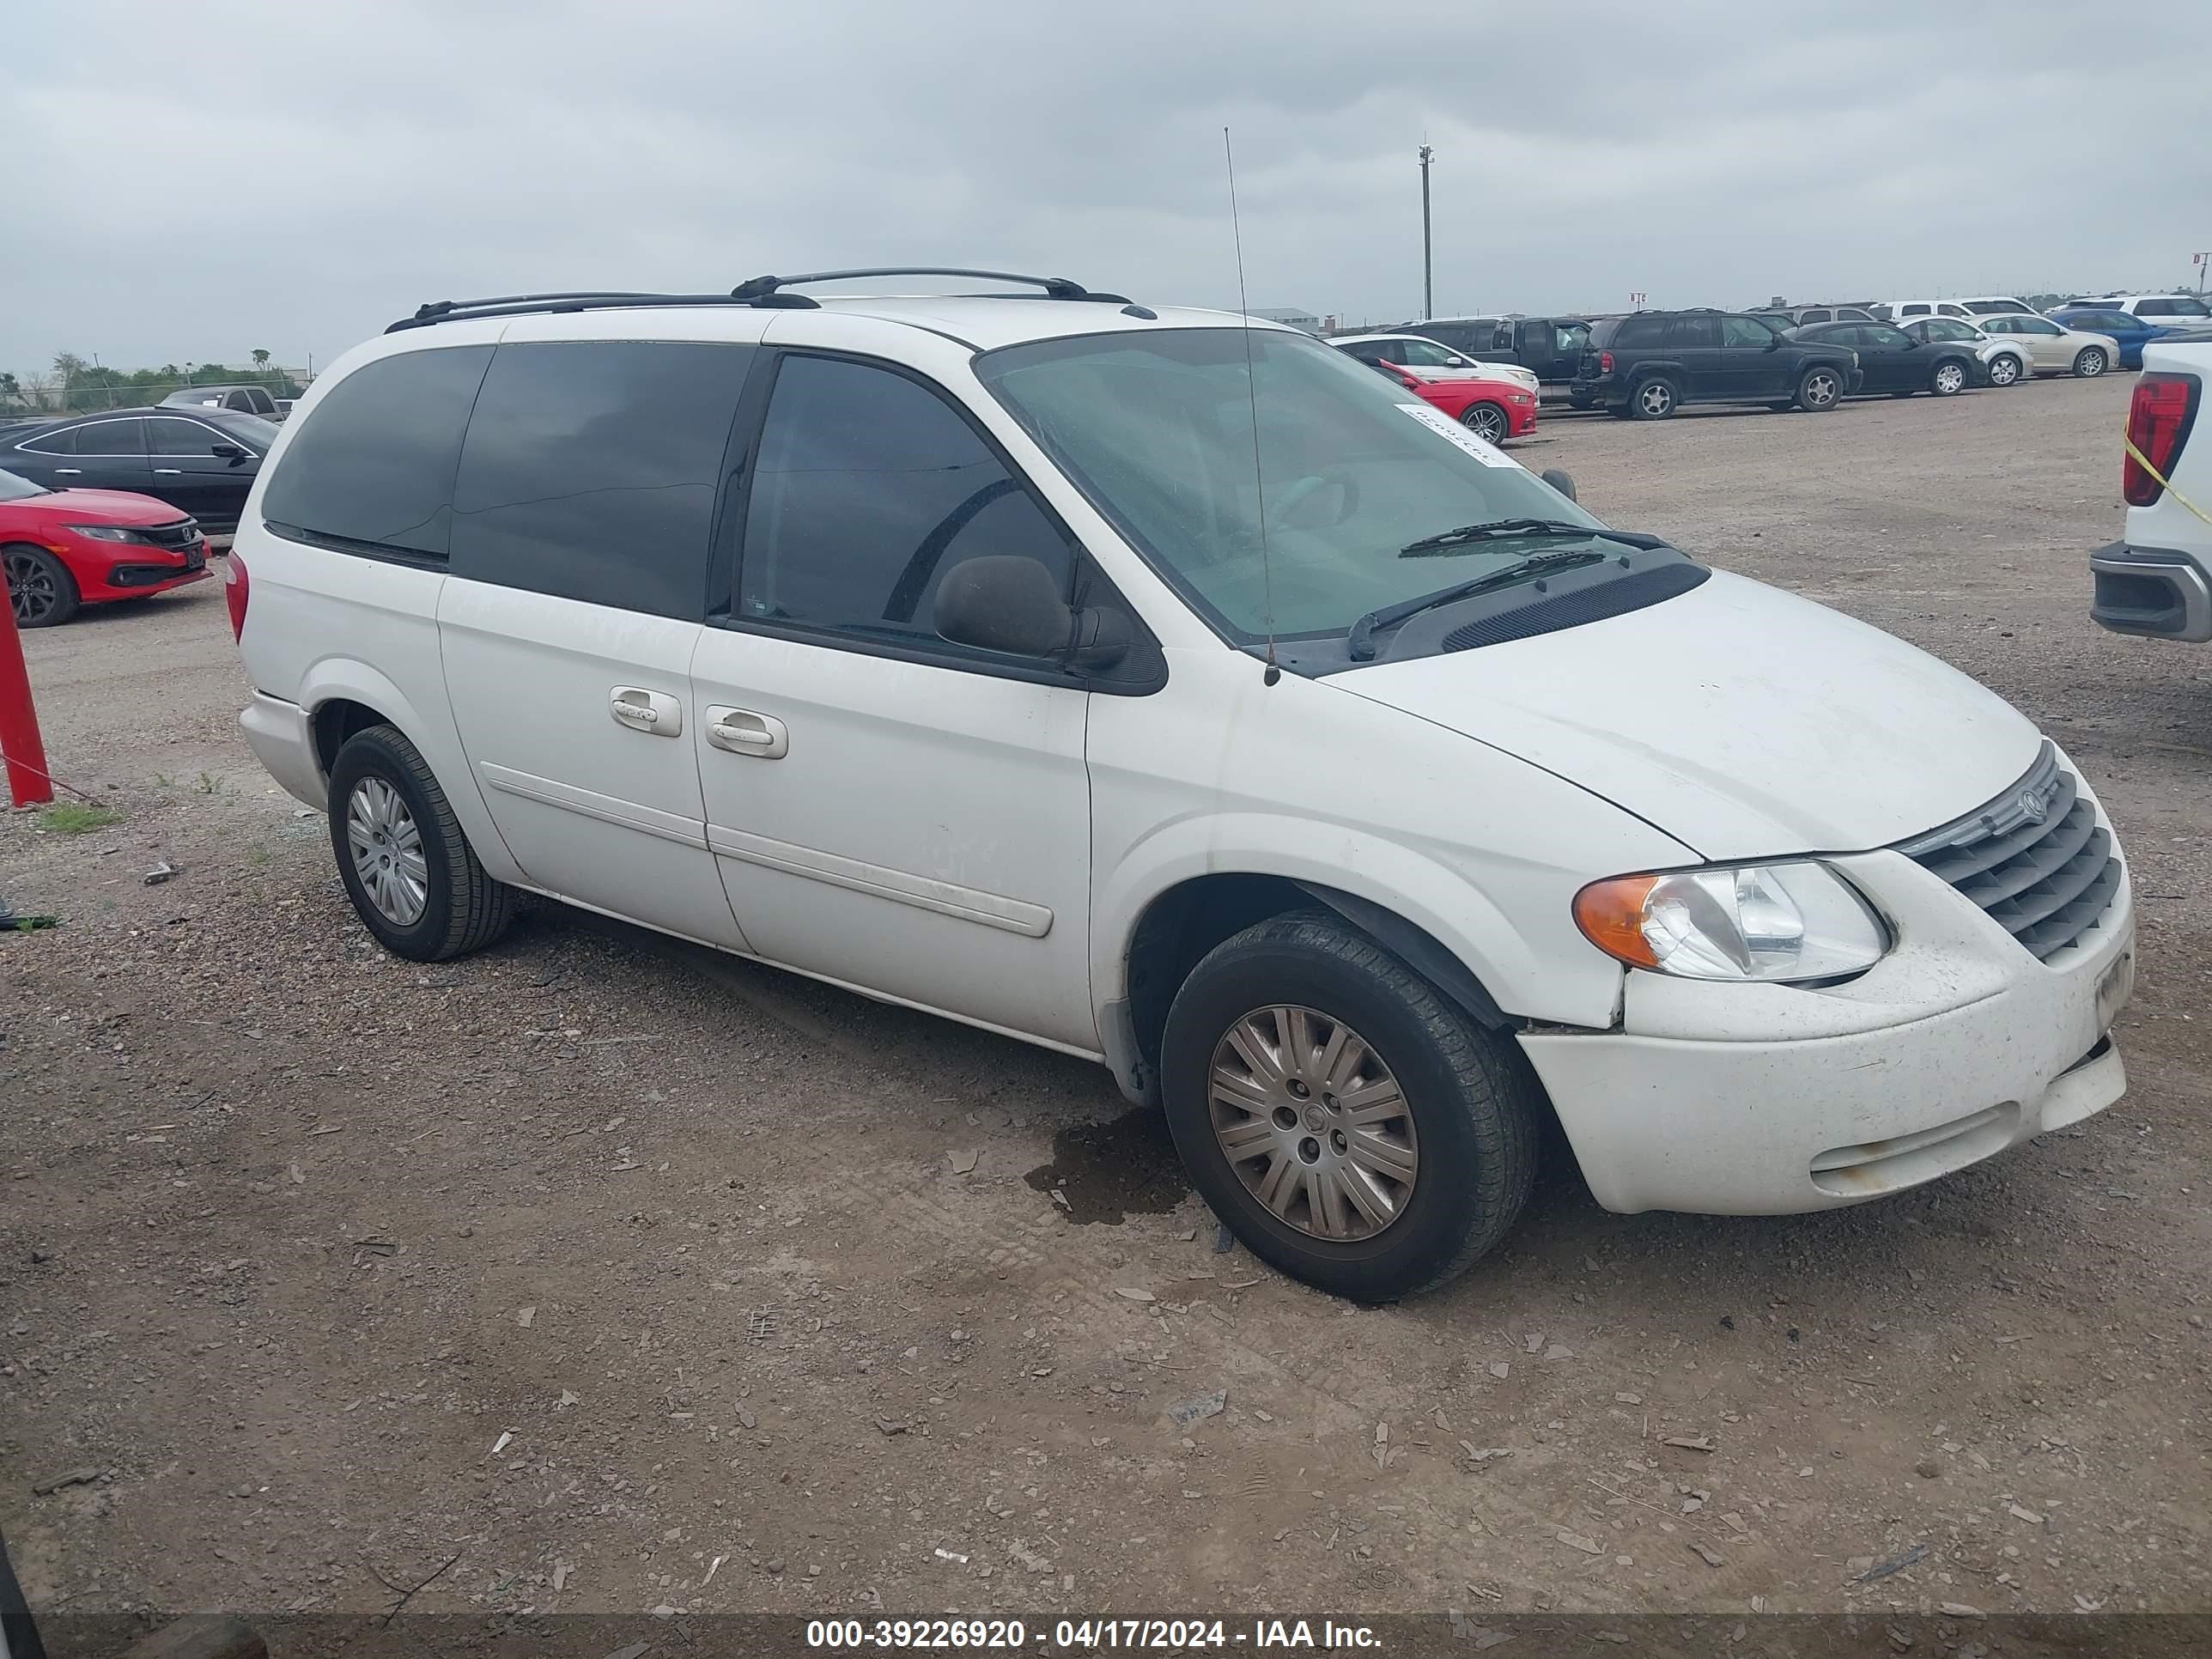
{"x":1756,"y":921}
{"x":104,"y":532}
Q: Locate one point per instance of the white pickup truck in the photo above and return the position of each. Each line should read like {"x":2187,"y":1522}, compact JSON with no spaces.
{"x":2157,"y":579}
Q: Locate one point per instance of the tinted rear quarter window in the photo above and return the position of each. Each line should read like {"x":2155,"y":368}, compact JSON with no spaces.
{"x":592,"y":469}
{"x":1638,"y":330}
{"x":372,"y":465}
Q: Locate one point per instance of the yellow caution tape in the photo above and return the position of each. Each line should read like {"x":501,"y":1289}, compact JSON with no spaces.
{"x":2143,"y":461}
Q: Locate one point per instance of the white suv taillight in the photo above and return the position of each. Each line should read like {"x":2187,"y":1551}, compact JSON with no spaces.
{"x":237,"y":588}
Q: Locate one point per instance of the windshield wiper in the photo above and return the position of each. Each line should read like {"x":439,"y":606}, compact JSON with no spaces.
{"x":1516,"y":529}
{"x":1360,"y":643}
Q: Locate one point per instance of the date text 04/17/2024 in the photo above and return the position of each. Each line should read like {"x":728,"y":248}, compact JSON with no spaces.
{"x":1092,"y":1634}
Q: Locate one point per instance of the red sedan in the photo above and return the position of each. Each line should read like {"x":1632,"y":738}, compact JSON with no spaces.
{"x":1492,"y":409}
{"x":64,"y":548}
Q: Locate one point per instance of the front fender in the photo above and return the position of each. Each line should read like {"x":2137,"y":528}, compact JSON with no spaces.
{"x":1402,"y":879}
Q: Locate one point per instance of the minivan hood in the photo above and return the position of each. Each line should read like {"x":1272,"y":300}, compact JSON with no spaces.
{"x":1742,"y":720}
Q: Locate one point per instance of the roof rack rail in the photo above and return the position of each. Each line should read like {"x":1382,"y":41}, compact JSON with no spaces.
{"x":521,"y":305}
{"x":768,"y":290}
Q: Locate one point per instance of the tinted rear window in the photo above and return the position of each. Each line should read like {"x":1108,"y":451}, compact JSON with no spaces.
{"x":373,"y":463}
{"x":591,"y":470}
{"x":1637,"y":332}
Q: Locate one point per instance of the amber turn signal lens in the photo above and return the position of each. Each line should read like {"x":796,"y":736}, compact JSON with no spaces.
{"x":1611,"y":915}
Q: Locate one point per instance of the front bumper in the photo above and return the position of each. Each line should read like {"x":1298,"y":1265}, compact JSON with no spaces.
{"x":2159,"y":591}
{"x":1768,"y":1099}
{"x":282,"y":738}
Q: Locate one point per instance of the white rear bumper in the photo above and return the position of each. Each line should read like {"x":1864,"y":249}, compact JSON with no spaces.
{"x":283,"y":738}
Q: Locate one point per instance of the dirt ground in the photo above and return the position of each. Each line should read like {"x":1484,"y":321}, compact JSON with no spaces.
{"x":613,"y":1276}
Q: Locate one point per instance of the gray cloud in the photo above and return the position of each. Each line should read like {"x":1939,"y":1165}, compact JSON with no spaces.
{"x":191,"y":183}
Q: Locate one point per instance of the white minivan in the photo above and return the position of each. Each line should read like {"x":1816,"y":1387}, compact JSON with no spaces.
{"x":1172,"y":691}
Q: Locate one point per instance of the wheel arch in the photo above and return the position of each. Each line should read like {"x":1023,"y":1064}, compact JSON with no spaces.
{"x":344,"y":695}
{"x":1174,"y":929}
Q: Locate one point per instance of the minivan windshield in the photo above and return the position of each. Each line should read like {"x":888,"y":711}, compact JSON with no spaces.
{"x":1155,"y":427}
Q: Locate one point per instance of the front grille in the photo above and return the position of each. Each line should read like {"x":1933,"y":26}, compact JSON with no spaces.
{"x":183,"y":534}
{"x":2035,"y":859}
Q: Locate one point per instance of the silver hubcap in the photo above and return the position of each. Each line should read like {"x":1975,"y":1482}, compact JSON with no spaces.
{"x":2004,"y":371}
{"x":30,"y":587}
{"x":1488,"y":424}
{"x":388,"y":851}
{"x":1820,"y":391}
{"x":2093,"y":362}
{"x":1656,"y":398}
{"x":1949,"y":378}
{"x":1314,"y":1123}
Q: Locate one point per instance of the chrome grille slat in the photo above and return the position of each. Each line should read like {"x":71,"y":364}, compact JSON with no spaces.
{"x":2035,"y":859}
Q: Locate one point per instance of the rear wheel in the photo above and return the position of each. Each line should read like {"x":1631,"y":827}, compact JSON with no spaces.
{"x":1820,"y":388}
{"x":40,"y":590}
{"x":1487,"y":421}
{"x":2005,"y":368}
{"x":407,"y":867}
{"x":1353,"y":1126}
{"x":1654,"y":400}
{"x":1949,"y":379}
{"x":2090,"y":361}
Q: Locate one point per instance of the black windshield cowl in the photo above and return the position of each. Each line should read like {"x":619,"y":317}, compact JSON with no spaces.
{"x":1522,"y":529}
{"x":1360,"y":643}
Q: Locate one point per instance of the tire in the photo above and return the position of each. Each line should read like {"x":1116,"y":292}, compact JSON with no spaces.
{"x":2005,"y":369}
{"x":435,"y":904}
{"x":1488,"y":422}
{"x":2090,"y":361}
{"x":39,"y":586}
{"x":1465,"y":1132}
{"x":1819,"y":389}
{"x":1655,"y":399}
{"x":1949,"y":380}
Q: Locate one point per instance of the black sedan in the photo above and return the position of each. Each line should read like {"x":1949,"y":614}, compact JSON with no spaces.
{"x":201,"y":461}
{"x":1893,"y":362}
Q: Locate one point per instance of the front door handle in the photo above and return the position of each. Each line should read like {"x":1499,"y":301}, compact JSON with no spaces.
{"x":741,"y":732}
{"x":653,"y":712}
{"x":68,"y":472}
{"x":168,"y":472}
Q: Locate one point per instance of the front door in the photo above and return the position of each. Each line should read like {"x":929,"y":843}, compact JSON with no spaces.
{"x":188,"y":473}
{"x":583,"y":513}
{"x":892,"y":811}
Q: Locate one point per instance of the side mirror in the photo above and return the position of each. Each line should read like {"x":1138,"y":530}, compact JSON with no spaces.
{"x":1456,"y":362}
{"x":1013,"y":605}
{"x":228,"y":452}
{"x":1559,"y":479}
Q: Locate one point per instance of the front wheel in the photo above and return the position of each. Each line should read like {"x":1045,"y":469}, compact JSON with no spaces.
{"x":1487,"y":421}
{"x":1820,"y":388}
{"x":2089,"y":362}
{"x":1350,"y":1125}
{"x":1948,"y":380}
{"x":40,"y":590}
{"x":407,"y":867}
{"x":2005,"y":368}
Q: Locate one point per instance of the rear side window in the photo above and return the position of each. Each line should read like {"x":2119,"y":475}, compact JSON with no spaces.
{"x":1694,"y":334}
{"x":372,"y":468}
{"x":112,"y":438}
{"x":868,"y":488}
{"x":63,"y":442}
{"x":1638,"y":330}
{"x":591,"y":470}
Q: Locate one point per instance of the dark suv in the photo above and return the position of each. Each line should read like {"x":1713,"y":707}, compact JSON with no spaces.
{"x":1645,"y":366}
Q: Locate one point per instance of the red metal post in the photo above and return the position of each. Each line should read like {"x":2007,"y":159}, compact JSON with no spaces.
{"x":19,"y":722}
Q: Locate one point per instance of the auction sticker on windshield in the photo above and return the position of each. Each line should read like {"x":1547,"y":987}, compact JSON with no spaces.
{"x":1488,"y":454}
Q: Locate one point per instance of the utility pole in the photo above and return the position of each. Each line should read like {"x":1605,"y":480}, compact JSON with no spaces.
{"x":1428,"y":268}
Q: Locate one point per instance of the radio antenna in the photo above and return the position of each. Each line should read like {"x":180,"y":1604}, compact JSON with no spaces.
{"x":1275,"y":671}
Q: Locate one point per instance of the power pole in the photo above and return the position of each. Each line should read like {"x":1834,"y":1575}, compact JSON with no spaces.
{"x":1428,"y":268}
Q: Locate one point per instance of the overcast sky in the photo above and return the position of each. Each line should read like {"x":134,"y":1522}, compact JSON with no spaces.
{"x":190,"y":182}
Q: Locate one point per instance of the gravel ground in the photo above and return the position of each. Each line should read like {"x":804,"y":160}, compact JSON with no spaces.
{"x":618,"y":1276}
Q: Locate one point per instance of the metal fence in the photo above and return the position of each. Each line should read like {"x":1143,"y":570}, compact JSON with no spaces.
{"x":34,"y":399}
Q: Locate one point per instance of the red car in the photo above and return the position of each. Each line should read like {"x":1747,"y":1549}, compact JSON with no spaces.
{"x":1494,"y":409}
{"x":64,"y":548}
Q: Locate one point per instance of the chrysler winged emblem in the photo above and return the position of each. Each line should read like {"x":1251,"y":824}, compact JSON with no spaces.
{"x":2031,"y":807}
